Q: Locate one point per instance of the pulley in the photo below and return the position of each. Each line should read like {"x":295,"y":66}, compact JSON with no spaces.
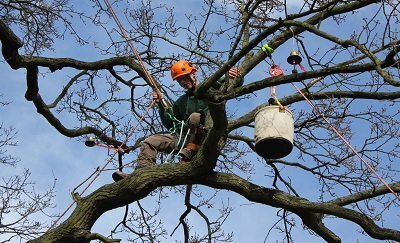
{"x":90,"y":142}
{"x":294,"y":58}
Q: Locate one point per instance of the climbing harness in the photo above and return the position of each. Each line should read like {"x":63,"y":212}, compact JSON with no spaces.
{"x":179,"y":143}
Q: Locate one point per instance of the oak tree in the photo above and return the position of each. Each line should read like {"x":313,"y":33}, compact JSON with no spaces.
{"x":349,"y":73}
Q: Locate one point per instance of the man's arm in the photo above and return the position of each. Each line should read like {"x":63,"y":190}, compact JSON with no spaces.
{"x":165,"y":115}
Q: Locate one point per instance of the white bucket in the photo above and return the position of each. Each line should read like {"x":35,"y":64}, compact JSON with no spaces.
{"x":274,"y":129}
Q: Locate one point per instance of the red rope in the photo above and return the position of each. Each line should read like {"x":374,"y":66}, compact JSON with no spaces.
{"x":347,"y":143}
{"x":111,"y":148}
{"x":105,"y":165}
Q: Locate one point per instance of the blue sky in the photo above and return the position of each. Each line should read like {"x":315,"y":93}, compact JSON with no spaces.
{"x":48,"y":154}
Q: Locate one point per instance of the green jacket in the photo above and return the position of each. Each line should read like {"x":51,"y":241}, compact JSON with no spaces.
{"x":185,"y":105}
{"x":182,"y":108}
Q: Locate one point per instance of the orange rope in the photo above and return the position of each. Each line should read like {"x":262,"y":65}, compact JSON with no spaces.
{"x":347,"y":143}
{"x":152,"y":83}
{"x":136,"y":53}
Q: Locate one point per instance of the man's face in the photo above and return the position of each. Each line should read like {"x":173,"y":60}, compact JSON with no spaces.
{"x":186,"y":81}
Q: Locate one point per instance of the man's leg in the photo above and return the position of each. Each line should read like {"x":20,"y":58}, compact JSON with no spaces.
{"x":148,"y":152}
{"x":195,"y":137}
{"x":152,"y":145}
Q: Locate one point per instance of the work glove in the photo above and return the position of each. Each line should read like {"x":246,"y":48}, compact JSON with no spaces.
{"x":156,"y":97}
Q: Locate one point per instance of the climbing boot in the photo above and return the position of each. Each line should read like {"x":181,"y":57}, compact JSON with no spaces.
{"x":188,"y":152}
{"x":119,"y":175}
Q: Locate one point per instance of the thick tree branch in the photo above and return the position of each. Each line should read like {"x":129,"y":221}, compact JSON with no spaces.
{"x":296,"y":77}
{"x":141,"y":182}
{"x":57,"y":124}
{"x":344,"y":84}
{"x":65,"y":89}
{"x":10,"y":45}
{"x":286,"y":35}
{"x":296,"y":205}
{"x":371,"y":193}
{"x":314,"y":222}
{"x":249,"y":117}
{"x":209,"y":151}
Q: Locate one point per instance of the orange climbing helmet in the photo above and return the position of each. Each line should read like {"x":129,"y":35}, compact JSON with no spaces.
{"x":181,"y":68}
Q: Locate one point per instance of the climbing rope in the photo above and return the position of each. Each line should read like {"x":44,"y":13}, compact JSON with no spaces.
{"x":154,"y":86}
{"x":125,"y":35}
{"x":149,"y":77}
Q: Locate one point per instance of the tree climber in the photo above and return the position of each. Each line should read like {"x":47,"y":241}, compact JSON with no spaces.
{"x":186,"y":108}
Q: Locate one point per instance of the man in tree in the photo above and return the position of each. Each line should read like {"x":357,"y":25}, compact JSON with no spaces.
{"x":187,"y":108}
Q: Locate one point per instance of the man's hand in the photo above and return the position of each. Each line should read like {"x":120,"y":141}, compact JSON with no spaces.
{"x":156,"y":97}
{"x":234,"y":73}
